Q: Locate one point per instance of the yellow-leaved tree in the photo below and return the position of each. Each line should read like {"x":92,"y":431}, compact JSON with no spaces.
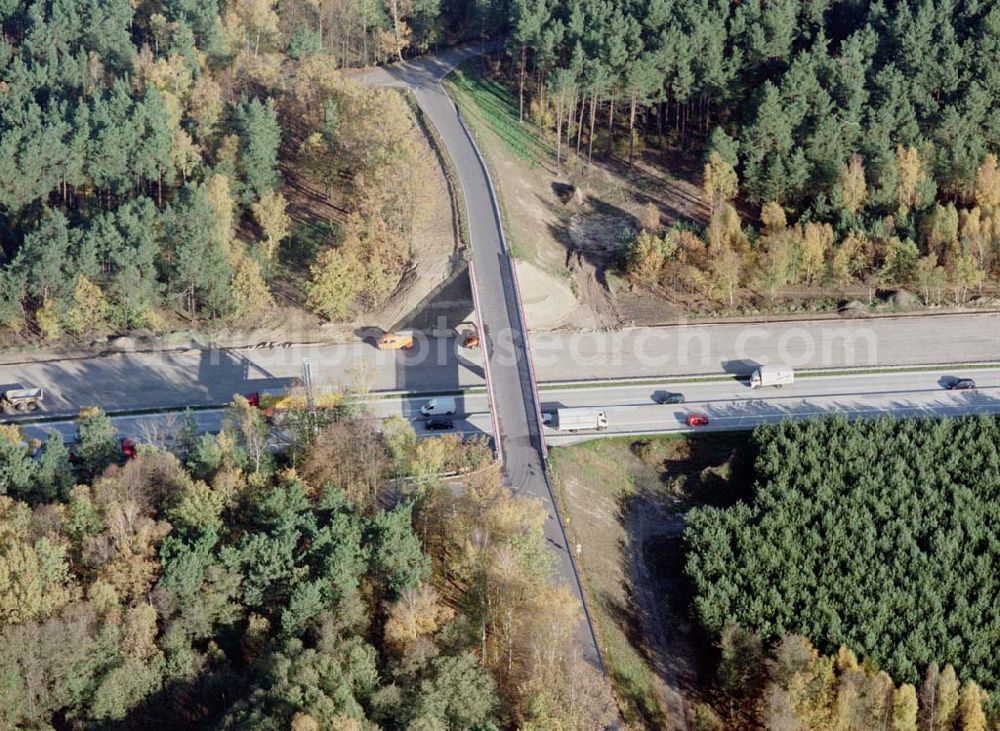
{"x":250,"y":295}
{"x":359,"y":272}
{"x":721,"y":183}
{"x":337,"y":277}
{"x":943,"y":710}
{"x":774,"y":267}
{"x":904,"y":709}
{"x":205,"y":106}
{"x":220,"y":199}
{"x":252,"y":24}
{"x":967,"y":276}
{"x":646,"y":257}
{"x":940,"y":231}
{"x":419,"y":612}
{"x":90,"y":309}
{"x":970,"y":708}
{"x":47,"y":317}
{"x":273,"y":219}
{"x":34,"y":572}
{"x":816,"y":243}
{"x":931,"y":278}
{"x":853,"y":190}
{"x":725,"y":230}
{"x":987,"y":189}
{"x":851,"y":258}
{"x":910,"y":174}
{"x":726,"y":268}
{"x":772,"y":218}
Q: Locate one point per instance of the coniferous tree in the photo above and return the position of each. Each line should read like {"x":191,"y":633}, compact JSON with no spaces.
{"x":97,"y":441}
{"x":200,"y":268}
{"x":260,"y":136}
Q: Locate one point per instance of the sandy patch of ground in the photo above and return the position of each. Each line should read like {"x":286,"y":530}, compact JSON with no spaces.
{"x":538,"y":227}
{"x":549,"y":302}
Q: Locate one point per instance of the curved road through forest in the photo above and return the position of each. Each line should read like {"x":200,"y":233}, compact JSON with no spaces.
{"x":509,"y":373}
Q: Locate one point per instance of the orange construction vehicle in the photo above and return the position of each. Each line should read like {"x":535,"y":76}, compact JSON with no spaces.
{"x":469,"y":335}
{"x":395,"y":341}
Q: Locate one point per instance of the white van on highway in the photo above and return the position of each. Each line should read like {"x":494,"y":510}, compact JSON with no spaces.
{"x":772,"y":376}
{"x":439,"y":407}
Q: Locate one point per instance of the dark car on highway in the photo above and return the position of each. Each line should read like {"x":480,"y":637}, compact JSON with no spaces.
{"x":670,"y":398}
{"x":962,"y":384}
{"x":439,"y":423}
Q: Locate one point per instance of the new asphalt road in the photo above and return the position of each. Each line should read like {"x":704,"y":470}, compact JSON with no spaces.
{"x":124,"y":381}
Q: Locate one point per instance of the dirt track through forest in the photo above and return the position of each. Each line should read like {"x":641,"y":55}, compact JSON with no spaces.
{"x":670,"y":653}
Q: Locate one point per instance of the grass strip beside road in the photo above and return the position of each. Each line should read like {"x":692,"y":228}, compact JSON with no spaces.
{"x":623,"y":499}
{"x":488,"y":102}
{"x":591,"y":487}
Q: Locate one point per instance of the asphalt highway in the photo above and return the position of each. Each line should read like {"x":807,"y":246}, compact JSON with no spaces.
{"x":472,"y":419}
{"x":706,"y":348}
{"x":728,"y":402}
{"x":732,"y":405}
{"x":125,"y":381}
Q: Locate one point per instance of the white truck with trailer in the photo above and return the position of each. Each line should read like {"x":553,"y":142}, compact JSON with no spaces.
{"x":777,"y":376}
{"x":581,"y":418}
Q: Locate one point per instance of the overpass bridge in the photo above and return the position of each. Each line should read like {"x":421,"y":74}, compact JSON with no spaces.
{"x":510,"y":376}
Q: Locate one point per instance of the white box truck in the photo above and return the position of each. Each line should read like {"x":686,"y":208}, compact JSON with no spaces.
{"x":577,"y":419}
{"x":772,"y":376}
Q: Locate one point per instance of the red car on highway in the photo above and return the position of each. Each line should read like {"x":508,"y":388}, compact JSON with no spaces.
{"x":697,"y":420}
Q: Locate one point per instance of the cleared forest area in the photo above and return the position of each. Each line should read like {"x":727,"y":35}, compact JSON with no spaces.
{"x":841,"y":150}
